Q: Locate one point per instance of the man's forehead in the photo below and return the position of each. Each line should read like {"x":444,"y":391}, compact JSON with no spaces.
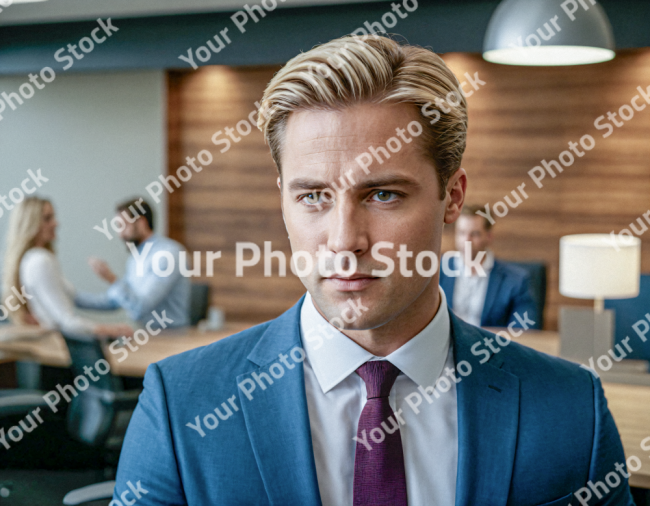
{"x":324,"y":150}
{"x":322,"y":136}
{"x":470,"y":221}
{"x":364,"y":121}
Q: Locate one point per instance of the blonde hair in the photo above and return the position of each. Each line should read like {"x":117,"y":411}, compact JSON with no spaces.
{"x":24,"y":225}
{"x":376,"y":69}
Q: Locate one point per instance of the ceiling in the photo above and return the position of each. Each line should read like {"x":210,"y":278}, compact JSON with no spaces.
{"x":56,"y":11}
{"x":155,"y":33}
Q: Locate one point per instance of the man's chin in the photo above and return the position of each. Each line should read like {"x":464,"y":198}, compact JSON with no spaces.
{"x":353,"y":310}
{"x":368,"y":323}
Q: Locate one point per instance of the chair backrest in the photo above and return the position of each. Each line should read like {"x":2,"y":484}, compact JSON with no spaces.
{"x":199,"y":302}
{"x":90,"y":414}
{"x":537,"y":273}
{"x":86,"y":351}
{"x":626,"y":313}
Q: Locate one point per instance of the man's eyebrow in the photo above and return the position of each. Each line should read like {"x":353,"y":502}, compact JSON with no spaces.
{"x":306,"y":184}
{"x":315,"y":184}
{"x":387,"y":181}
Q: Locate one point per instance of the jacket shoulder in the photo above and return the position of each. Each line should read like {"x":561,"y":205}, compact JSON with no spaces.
{"x":224,"y":358}
{"x":537,"y":371}
{"x":523,"y":360}
{"x":512,"y":271}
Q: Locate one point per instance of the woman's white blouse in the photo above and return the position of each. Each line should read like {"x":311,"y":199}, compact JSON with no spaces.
{"x":52,"y":302}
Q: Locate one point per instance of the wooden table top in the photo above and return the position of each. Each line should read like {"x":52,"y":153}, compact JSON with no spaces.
{"x":629,"y":404}
{"x":48,"y":348}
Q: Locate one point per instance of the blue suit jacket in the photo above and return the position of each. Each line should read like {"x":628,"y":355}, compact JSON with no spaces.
{"x":532,"y":429}
{"x":508,"y":292}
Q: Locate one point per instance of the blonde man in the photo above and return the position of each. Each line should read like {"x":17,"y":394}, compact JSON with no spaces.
{"x":368,"y":391}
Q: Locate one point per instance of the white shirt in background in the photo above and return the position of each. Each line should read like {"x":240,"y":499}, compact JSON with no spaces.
{"x":52,"y":295}
{"x":142,"y":293}
{"x":470,"y":291}
{"x":336,"y":395}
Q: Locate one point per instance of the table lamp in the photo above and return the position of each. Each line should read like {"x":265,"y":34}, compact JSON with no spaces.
{"x":592,"y":267}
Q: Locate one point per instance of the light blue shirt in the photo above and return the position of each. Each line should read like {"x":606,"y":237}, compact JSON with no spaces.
{"x":142,"y":293}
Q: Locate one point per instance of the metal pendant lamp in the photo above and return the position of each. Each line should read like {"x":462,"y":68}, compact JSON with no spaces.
{"x":549,"y":32}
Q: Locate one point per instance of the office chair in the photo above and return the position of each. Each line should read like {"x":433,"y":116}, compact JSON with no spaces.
{"x":98,"y":416}
{"x":199,"y":302}
{"x":28,"y":375}
{"x":537,"y":273}
{"x":35,"y":444}
{"x":19,"y":402}
{"x":95,"y":420}
{"x":626,"y":313}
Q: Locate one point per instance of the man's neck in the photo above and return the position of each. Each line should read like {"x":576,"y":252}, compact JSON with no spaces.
{"x":474,"y":271}
{"x":384,"y":340}
{"x":144,"y":238}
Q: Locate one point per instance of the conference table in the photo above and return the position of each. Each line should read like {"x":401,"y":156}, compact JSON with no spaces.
{"x":629,"y":404}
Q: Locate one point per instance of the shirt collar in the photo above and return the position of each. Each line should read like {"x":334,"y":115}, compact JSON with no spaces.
{"x":151,"y":238}
{"x":333,"y":356}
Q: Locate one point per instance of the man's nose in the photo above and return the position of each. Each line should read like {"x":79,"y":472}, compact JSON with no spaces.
{"x":348,"y":228}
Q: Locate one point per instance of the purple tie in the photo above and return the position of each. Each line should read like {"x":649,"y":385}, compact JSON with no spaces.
{"x":379,"y":476}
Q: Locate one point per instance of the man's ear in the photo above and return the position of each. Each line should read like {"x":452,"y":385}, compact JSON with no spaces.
{"x":490,"y":236}
{"x":279,"y":182}
{"x":282,"y":203}
{"x":141,"y":224}
{"x":456,"y":190}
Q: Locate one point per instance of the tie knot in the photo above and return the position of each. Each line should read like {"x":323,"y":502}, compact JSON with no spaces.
{"x":379,"y":376}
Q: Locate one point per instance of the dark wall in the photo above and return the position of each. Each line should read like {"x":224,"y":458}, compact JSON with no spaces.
{"x":156,"y":42}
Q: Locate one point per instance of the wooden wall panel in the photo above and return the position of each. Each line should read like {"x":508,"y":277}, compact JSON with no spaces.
{"x":520,"y":117}
{"x":524,"y":115}
{"x":235,"y":199}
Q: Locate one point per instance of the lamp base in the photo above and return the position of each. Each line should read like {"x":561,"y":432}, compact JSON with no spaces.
{"x":585,"y":334}
{"x":587,"y":337}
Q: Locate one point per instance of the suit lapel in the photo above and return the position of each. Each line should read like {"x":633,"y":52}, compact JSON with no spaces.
{"x":488,"y":420}
{"x":493,"y":291}
{"x":277,"y":418}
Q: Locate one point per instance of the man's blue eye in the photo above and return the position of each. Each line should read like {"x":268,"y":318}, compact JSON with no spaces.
{"x":383,"y":196}
{"x":312,"y":198}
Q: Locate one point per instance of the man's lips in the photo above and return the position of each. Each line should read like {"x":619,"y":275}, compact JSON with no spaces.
{"x":353,"y":283}
{"x":354,"y":276}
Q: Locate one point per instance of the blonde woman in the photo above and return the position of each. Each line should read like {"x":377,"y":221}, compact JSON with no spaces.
{"x":31,"y":266}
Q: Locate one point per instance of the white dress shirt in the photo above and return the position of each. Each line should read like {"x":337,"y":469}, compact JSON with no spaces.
{"x":470,"y":291}
{"x":336,"y":396}
{"x":52,"y":302}
{"x":141,"y":293}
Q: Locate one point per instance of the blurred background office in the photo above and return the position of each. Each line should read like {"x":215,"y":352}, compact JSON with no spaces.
{"x":158,"y":99}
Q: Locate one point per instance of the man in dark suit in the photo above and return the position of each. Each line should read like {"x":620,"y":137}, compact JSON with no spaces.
{"x":480,"y":289}
{"x":369,"y":391}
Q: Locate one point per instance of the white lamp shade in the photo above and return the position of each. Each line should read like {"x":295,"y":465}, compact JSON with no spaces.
{"x":591,"y":267}
{"x":520,"y":32}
